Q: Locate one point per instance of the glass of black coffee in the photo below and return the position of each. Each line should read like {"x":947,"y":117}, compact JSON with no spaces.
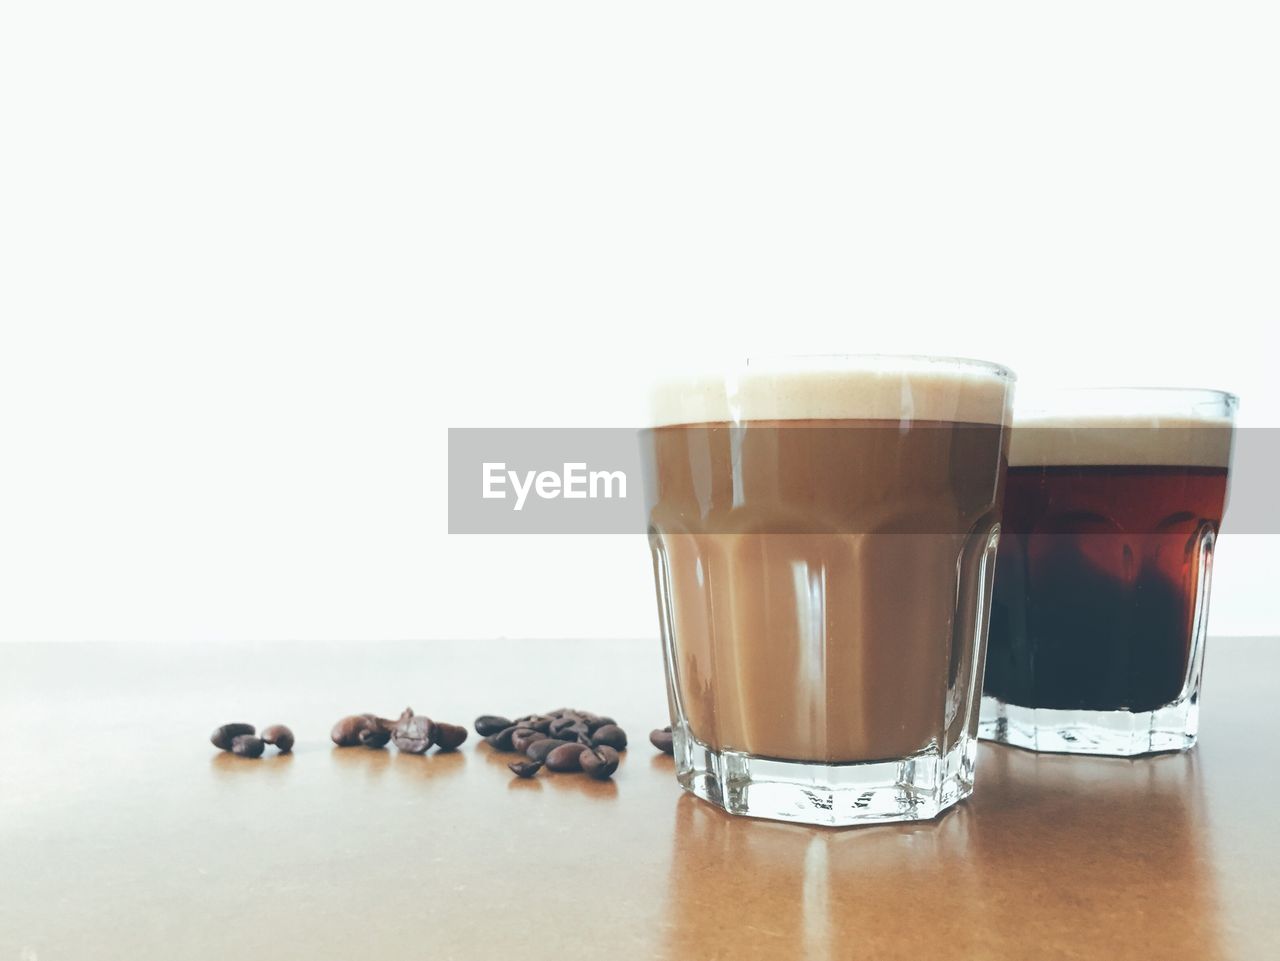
{"x":1113,"y":502}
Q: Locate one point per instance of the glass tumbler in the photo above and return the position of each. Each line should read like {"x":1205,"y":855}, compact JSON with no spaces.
{"x":823,"y":533}
{"x":1114,"y":500}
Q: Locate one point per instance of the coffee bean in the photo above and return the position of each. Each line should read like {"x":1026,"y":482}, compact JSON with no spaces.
{"x":525,"y":768}
{"x":487,"y":724}
{"x":610,"y":736}
{"x":246,"y":745}
{"x":525,"y":736}
{"x":599,"y":762}
{"x":539,"y":750}
{"x":346,"y":733}
{"x":280,"y":736}
{"x":414,"y":733}
{"x":223,"y":736}
{"x":449,"y":737}
{"x":568,"y":727}
{"x":502,"y":740}
{"x":367,"y":729}
{"x":598,"y":722}
{"x":540,"y":723}
{"x":567,"y":757}
{"x":374,"y":737}
{"x":663,"y":741}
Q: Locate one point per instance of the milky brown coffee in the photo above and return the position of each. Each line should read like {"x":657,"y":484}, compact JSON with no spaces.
{"x":823,"y":534}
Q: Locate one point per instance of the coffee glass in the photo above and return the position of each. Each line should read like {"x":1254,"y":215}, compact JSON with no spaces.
{"x":1098,"y":624}
{"x":823,"y":533}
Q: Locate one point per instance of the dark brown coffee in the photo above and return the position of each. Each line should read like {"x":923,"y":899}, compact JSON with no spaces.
{"x":1098,"y":584}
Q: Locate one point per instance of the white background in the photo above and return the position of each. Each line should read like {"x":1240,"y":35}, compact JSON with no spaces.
{"x":256,"y":258}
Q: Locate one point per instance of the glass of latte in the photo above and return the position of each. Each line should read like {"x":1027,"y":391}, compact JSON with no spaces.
{"x":824,"y":535}
{"x":1115,"y":496}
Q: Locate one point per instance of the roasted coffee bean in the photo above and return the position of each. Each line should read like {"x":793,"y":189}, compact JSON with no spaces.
{"x":599,"y":762}
{"x":346,"y":733}
{"x":525,"y":768}
{"x":568,"y":727}
{"x":663,"y":741}
{"x":539,"y":750}
{"x":223,"y":736}
{"x":523,"y":737}
{"x":487,"y":724}
{"x":449,"y":737}
{"x":375,"y":737}
{"x":246,"y":745}
{"x":567,"y":757}
{"x":280,"y":736}
{"x":502,"y":740}
{"x":540,"y":723}
{"x":598,"y":722}
{"x":610,"y":736}
{"x":367,"y":729}
{"x":414,"y":733}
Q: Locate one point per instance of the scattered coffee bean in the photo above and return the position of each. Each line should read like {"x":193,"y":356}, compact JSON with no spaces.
{"x":367,"y":729}
{"x":449,"y":737}
{"x":610,"y":735}
{"x":280,"y":736}
{"x":539,"y":750}
{"x":502,"y":740}
{"x":599,"y":762}
{"x":595,"y":723}
{"x":487,"y":724}
{"x":525,"y":768}
{"x":374,"y":737}
{"x":524,"y":737}
{"x":414,"y":733}
{"x":223,"y":736}
{"x":568,"y":725}
{"x":246,"y":745}
{"x":566,"y":757}
{"x":663,"y":740}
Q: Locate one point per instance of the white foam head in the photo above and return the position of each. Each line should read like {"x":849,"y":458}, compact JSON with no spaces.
{"x":865,"y":387}
{"x":1133,"y":427}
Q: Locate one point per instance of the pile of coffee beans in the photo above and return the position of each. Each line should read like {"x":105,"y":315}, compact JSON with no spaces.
{"x":244,"y":741}
{"x":411,"y":733}
{"x":562,"y":740}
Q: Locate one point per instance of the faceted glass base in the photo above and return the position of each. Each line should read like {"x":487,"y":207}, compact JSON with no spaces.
{"x":834,"y":795}
{"x":1117,"y":733}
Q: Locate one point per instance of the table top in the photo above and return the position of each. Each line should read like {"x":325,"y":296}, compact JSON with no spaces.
{"x":125,"y":834}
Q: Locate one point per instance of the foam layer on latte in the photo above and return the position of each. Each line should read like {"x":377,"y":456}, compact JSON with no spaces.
{"x":872,"y":388}
{"x":1120,"y":440}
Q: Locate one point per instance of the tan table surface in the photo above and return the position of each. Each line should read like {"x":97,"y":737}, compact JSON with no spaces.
{"x":124,"y":834}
